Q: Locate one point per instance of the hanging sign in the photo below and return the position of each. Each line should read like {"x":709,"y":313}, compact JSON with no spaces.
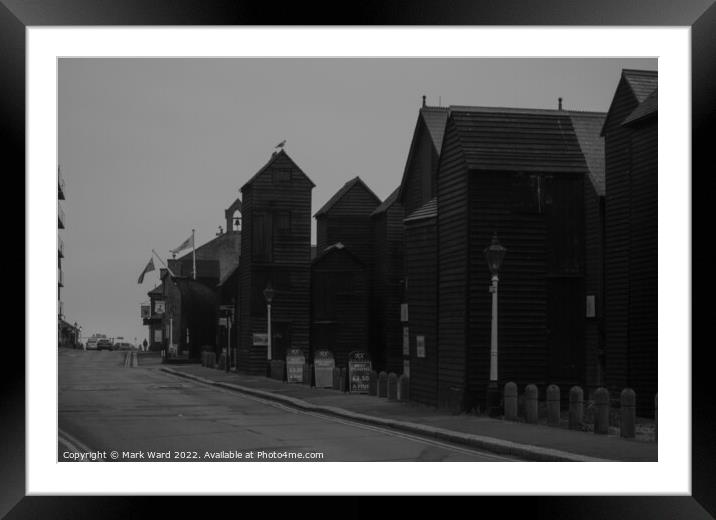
{"x":359,"y":367}
{"x":323,"y":364}
{"x":260,"y":339}
{"x":420,"y":345}
{"x":294,"y":365}
{"x":403,"y":312}
{"x":159,"y":307}
{"x":158,"y":335}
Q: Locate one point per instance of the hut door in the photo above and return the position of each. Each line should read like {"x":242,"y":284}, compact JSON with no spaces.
{"x":564,"y":329}
{"x":281,"y":332}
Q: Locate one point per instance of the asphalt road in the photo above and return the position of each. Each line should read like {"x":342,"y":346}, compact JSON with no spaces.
{"x":142,"y":413}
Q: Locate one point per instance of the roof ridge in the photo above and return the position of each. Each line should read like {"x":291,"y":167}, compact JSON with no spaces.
{"x":338,"y":195}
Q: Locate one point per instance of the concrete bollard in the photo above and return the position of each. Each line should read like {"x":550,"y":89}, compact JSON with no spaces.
{"x":656,"y":417}
{"x":403,"y":388}
{"x":627,"y":408}
{"x":576,"y":408}
{"x":373,"y":383}
{"x":510,"y":401}
{"x":392,"y":387}
{"x":336,"y":378}
{"x":531,"y":404}
{"x":382,"y":384}
{"x":553,"y":412}
{"x":601,"y":412}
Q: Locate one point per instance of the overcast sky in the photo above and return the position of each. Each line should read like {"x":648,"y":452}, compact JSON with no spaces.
{"x":151,"y":148}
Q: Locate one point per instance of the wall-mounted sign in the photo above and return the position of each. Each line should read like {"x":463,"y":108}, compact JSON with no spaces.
{"x":159,"y":306}
{"x":406,"y":367}
{"x":420,"y":345}
{"x":323,"y":363}
{"x":403,"y":312}
{"x":359,"y":367}
{"x":158,"y":335}
{"x":406,"y":341}
{"x":146,"y":312}
{"x":223,"y":321}
{"x":591,"y":306}
{"x":294,"y":365}
{"x":260,"y":339}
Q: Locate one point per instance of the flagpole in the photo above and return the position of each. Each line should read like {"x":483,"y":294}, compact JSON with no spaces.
{"x":162,"y":261}
{"x":193,"y":252}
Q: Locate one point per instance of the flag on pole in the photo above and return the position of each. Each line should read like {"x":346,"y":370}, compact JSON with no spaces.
{"x":189,"y":242}
{"x":150,"y":267}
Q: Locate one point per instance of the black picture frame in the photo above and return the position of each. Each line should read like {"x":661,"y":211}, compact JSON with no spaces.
{"x":700,"y":15}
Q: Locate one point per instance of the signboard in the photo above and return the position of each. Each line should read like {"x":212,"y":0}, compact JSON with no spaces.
{"x":403,"y":312}
{"x":223,"y":322}
{"x":406,"y":367}
{"x":359,"y":368}
{"x":591,"y":306}
{"x":323,"y":364}
{"x":420,"y":345}
{"x":294,"y":365}
{"x":260,"y":339}
{"x":146,"y":311}
{"x":159,"y":307}
{"x":174,"y":349}
{"x":406,"y":341}
{"x":157,"y":335}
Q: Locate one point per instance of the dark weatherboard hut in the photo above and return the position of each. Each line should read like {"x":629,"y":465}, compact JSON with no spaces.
{"x":631,"y":263}
{"x":387,"y":283}
{"x":276,"y":250}
{"x":339,"y":303}
{"x":518,"y":173}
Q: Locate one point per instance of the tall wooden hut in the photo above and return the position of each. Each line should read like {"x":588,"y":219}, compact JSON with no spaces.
{"x":631,"y":266}
{"x":518,"y":173}
{"x":275,"y":250}
{"x":339,"y":303}
{"x":387,"y":283}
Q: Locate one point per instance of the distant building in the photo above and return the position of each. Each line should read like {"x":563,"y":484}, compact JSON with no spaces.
{"x":68,"y":335}
{"x":631,"y":262}
{"x":275,"y":251}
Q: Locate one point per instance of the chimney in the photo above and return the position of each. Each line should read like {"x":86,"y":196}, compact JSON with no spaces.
{"x":423,"y":100}
{"x":560,"y":103}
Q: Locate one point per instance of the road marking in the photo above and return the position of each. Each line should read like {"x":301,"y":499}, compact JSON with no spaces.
{"x":357,"y":424}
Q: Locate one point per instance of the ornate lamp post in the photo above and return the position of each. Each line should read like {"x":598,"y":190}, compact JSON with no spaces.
{"x":494,"y":254}
{"x":269,"y":293}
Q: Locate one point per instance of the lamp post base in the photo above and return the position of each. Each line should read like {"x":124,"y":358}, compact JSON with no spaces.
{"x":494,"y":402}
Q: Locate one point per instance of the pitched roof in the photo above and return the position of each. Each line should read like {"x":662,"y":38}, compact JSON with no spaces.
{"x":158,"y":290}
{"x":646,"y":108}
{"x":642,"y":82}
{"x":588,"y":127}
{"x":428,"y":210}
{"x":273,"y":158}
{"x":510,"y":139}
{"x":227,"y":275}
{"x":387,"y":203}
{"x":356,"y":181}
{"x":435,"y":119}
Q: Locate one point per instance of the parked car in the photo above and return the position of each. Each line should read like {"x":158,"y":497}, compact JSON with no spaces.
{"x":105,"y":344}
{"x":92,"y":343}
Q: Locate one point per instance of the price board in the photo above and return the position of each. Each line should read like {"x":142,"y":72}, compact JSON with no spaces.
{"x":323,"y":364}
{"x":359,"y":367}
{"x":294,"y":365}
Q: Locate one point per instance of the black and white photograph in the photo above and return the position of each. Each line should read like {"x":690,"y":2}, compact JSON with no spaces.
{"x":284,"y":259}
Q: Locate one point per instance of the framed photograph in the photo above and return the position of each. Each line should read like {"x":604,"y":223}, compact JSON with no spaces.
{"x":124,"y":119}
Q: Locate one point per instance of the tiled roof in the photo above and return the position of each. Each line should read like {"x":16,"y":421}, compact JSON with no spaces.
{"x":387,"y":203}
{"x":518,"y":139}
{"x":588,"y":127}
{"x":642,"y":82}
{"x":645,"y":109}
{"x":227,"y":275}
{"x":356,"y":181}
{"x":428,"y":210}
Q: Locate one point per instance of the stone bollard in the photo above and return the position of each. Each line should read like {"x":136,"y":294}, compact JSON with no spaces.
{"x":531,"y":404}
{"x":553,"y":405}
{"x":382,"y":384}
{"x":601,"y":412}
{"x":510,"y":401}
{"x":392,"y":386}
{"x":656,"y":417}
{"x":373,"y":383}
{"x":576,"y":408}
{"x":627,"y":407}
{"x":336,"y":378}
{"x":403,"y":388}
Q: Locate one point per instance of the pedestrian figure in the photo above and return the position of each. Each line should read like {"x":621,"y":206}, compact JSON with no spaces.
{"x":144,"y":344}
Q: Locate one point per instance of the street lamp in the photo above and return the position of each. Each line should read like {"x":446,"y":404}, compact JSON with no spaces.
{"x":269,"y":293}
{"x":494,"y":254}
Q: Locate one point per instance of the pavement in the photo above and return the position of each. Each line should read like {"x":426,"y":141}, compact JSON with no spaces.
{"x":533,"y":442}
